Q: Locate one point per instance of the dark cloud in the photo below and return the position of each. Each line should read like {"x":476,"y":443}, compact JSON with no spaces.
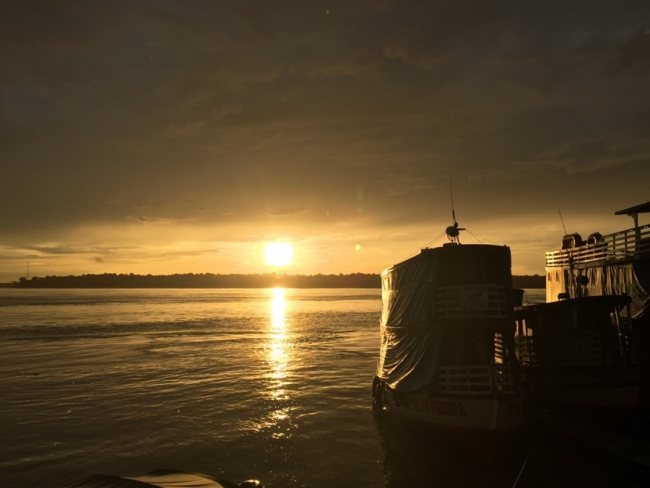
{"x":633,"y":57}
{"x":56,"y":250}
{"x":170,"y":114}
{"x":285,"y":211}
{"x":197,"y":252}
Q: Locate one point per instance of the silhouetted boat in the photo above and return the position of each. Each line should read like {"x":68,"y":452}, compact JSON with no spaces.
{"x":579,"y":352}
{"x":447,"y":354}
{"x":588,"y":345}
{"x":613,"y":264}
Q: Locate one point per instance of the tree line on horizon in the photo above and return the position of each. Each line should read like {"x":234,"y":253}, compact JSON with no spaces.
{"x":211,"y":280}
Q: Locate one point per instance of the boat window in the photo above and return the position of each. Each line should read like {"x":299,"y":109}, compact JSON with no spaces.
{"x":466,"y":347}
{"x":500,"y":354}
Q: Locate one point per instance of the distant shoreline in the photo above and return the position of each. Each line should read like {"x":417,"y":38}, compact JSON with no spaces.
{"x":210,"y":280}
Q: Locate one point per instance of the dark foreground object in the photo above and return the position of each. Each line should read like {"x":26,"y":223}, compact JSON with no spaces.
{"x":160,"y":478}
{"x":539,"y":456}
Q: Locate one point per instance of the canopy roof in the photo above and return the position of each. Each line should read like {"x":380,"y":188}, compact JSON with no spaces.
{"x":637,"y":209}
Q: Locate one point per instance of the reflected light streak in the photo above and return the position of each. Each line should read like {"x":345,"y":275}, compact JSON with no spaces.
{"x":278,"y":307}
{"x":277,"y":352}
{"x":278,"y":357}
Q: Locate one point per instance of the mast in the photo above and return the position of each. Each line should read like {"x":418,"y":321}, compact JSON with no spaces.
{"x":453,"y":231}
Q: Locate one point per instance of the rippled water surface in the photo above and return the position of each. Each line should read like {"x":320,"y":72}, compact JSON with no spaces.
{"x":267,"y":384}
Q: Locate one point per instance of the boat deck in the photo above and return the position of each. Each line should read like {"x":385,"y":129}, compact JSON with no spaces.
{"x":624,"y":246}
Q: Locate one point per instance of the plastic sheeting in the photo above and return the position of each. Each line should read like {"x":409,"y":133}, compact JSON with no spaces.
{"x":407,"y":289}
{"x":632,"y":279}
{"x":408,"y":359}
{"x":411,"y":337}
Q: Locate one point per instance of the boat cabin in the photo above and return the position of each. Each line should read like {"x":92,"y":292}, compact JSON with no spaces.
{"x":447,"y":337}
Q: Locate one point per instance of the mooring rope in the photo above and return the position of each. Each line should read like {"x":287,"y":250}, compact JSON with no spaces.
{"x":530,"y":453}
{"x":425,"y":246}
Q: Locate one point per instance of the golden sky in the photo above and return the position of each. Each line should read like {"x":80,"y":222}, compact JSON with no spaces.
{"x":170,"y":136}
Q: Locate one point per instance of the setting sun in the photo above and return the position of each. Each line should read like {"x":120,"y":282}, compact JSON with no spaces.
{"x":278,"y":253}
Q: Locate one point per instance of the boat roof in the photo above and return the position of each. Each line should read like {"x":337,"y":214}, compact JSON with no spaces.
{"x":488,"y":250}
{"x":643,"y":208}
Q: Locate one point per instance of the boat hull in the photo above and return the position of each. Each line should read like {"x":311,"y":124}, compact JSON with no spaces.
{"x":598,"y":397}
{"x":623,"y":394}
{"x":472,"y":413}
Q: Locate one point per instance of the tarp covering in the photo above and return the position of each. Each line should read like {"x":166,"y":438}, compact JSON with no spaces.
{"x":407,"y":290}
{"x":408,"y":361}
{"x":412,"y":332}
{"x":632,"y":279}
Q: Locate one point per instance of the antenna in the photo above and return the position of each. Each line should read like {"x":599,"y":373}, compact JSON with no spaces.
{"x":562,"y":220}
{"x":27,"y":269}
{"x":451,"y":194}
{"x":453,"y":231}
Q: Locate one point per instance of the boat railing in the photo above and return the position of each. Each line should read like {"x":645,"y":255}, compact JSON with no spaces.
{"x":475,"y":379}
{"x":581,"y":348}
{"x":625,"y":245}
{"x":471,"y":302}
{"x":526,"y":351}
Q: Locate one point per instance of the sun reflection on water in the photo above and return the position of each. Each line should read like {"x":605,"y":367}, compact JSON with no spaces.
{"x":278,"y":307}
{"x":278,"y":358}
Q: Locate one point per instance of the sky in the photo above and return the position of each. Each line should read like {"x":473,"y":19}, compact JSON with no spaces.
{"x":182,"y":136}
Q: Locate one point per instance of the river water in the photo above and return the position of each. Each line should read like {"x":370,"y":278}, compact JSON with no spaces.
{"x":270,"y":384}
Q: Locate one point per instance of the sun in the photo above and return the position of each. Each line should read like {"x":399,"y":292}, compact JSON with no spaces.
{"x":278,"y":253}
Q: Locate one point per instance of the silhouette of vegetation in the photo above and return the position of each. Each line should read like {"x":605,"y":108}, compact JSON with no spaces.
{"x":203,"y":280}
{"x":210,"y":280}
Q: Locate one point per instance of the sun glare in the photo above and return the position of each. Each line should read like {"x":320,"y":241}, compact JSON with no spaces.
{"x":278,"y":253}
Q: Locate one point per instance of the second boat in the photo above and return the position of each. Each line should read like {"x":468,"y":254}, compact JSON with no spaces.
{"x":447,"y":354}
